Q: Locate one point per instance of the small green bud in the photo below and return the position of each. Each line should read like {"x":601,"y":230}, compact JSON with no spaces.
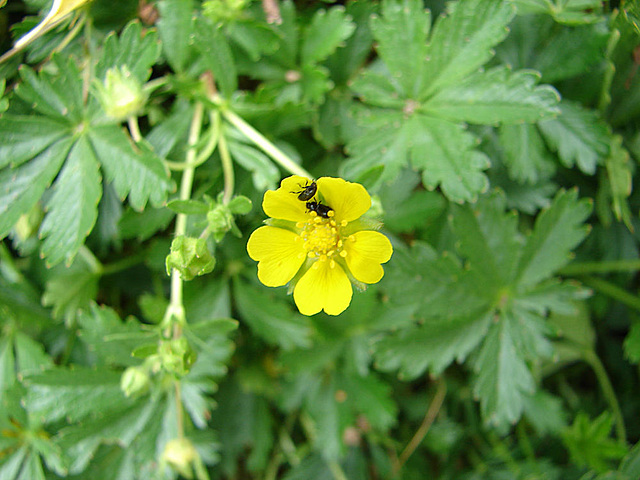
{"x":177,"y":356}
{"x":223,"y":10}
{"x":181,"y":455}
{"x":220,"y":221}
{"x":121,"y":94}
{"x":135,"y":381}
{"x":240,"y":205}
{"x":190,"y":256}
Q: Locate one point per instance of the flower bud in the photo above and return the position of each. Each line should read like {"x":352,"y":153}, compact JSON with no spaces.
{"x":180,"y":454}
{"x":134,"y":381}
{"x":121,"y":94}
{"x":176,"y":356}
{"x":190,"y":256}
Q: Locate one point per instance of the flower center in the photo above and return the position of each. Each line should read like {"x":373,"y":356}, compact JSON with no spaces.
{"x":321,"y":238}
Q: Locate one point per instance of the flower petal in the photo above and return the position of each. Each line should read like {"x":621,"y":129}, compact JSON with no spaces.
{"x":348,"y":200}
{"x":283,"y":203}
{"x":279,"y":252}
{"x":366,"y":250}
{"x":323,"y":287}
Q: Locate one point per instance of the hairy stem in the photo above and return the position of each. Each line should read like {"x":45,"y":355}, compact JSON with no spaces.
{"x":265,"y":145}
{"x":585,"y":268}
{"x":613,"y":291}
{"x":134,"y":128}
{"x":430,"y":416}
{"x":227,"y":168}
{"x":590,"y":357}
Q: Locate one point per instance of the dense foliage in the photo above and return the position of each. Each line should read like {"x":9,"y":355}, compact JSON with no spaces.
{"x":498,"y":139}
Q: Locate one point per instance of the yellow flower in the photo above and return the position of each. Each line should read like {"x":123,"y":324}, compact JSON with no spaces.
{"x":320,"y":251}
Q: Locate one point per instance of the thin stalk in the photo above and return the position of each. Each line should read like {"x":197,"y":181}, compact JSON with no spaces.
{"x":613,"y":291}
{"x":123,"y":264}
{"x":91,"y":260}
{"x":227,"y":168}
{"x":429,"y":418}
{"x":175,"y":310}
{"x":79,"y":23}
{"x":590,"y":357}
{"x":134,"y":128}
{"x":175,"y":317}
{"x":586,"y":268}
{"x":610,"y":69}
{"x":336,"y":471}
{"x":265,"y":145}
{"x":179,"y":410}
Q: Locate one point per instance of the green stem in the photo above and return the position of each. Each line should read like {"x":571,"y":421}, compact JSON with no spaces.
{"x":175,"y":316}
{"x":91,"y":260}
{"x":336,"y":470}
{"x":610,"y":69}
{"x":269,"y":148}
{"x":80,"y":19}
{"x":613,"y":291}
{"x":590,"y":357}
{"x":227,"y":168}
{"x":134,"y":128}
{"x":586,"y":268}
{"x":123,"y":264}
{"x":429,"y":418}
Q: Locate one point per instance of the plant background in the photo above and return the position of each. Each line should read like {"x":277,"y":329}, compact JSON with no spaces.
{"x":500,"y":141}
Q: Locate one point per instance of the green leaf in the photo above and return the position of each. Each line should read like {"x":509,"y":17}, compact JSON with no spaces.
{"x":325,"y":33}
{"x":489,"y":239}
{"x":188,"y":207}
{"x":632,"y":343}
{"x":120,"y":426}
{"x":578,"y":135}
{"x":406,"y":206}
{"x":24,"y":137}
{"x":73,"y":393}
{"x":557,"y":231}
{"x":462,"y":40}
{"x":444,"y":152}
{"x":136,"y":49}
{"x":570,"y":12}
{"x":620,"y":180}
{"x":432,"y":346}
{"x":349,"y":57}
{"x":22,"y":187}
{"x":497,"y":95}
{"x":30,"y":355}
{"x":589,"y":444}
{"x":111,"y":339}
{"x":324,"y":410}
{"x":73,"y":208}
{"x":69,"y":290}
{"x":138,"y":172}
{"x":401,"y":33}
{"x":240,"y":420}
{"x":311,"y":466}
{"x":545,"y":412}
{"x":630,"y":464}
{"x":371,"y":397}
{"x":55,"y":95}
{"x":216,"y":55}
{"x":7,"y":364}
{"x":445,"y":284}
{"x":174,"y":23}
{"x":525,"y":153}
{"x":503,"y":378}
{"x":569,"y":52}
{"x":273,"y":321}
